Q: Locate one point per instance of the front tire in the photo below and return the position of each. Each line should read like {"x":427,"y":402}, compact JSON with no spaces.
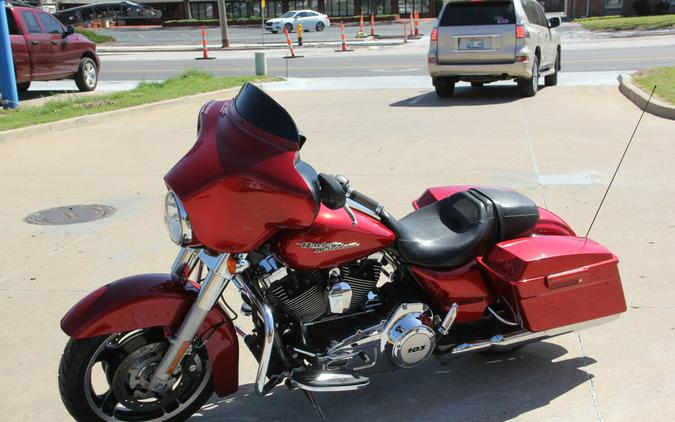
{"x":122,"y":361}
{"x":529,"y":87}
{"x":86,"y":77}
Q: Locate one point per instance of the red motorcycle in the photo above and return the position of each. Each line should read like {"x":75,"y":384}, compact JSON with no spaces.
{"x":337,"y":288}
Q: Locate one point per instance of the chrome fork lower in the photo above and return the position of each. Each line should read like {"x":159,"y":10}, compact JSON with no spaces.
{"x":265,"y":313}
{"x":209,"y":293}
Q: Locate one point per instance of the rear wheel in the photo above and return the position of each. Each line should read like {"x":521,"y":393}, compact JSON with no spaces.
{"x":106,"y":379}
{"x":320,"y":26}
{"x":477,"y":84}
{"x":529,"y":87}
{"x":552,"y":80}
{"x":444,"y":87}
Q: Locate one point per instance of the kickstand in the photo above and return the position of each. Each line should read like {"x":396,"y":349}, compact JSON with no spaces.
{"x":315,"y":404}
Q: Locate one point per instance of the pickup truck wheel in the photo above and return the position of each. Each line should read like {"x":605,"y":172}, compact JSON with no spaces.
{"x":87,"y":75}
{"x":528,"y":87}
{"x":552,"y":80}
{"x":23,"y":86}
{"x":444,"y":88}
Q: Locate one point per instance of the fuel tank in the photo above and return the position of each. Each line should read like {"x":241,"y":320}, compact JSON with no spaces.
{"x":332,"y":240}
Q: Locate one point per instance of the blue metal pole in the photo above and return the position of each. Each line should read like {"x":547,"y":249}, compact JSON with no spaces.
{"x":10,"y":98}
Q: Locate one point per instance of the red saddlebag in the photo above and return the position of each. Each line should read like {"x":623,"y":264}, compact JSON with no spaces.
{"x":554,"y":281}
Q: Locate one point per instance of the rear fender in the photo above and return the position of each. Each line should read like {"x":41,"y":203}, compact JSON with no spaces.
{"x":157,"y":300}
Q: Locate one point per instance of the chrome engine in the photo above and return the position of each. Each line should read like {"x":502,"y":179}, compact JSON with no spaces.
{"x":308,"y":296}
{"x":404,"y":340}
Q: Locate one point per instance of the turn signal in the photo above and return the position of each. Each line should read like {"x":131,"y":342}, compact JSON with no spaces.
{"x":520,"y":31}
{"x":434,"y":34}
{"x":231,"y":265}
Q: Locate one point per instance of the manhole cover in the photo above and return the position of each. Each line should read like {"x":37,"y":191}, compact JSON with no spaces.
{"x":70,"y":214}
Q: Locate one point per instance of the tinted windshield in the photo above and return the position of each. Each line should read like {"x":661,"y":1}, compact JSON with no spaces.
{"x":259,"y":109}
{"x":478,"y":13}
{"x":288,"y":14}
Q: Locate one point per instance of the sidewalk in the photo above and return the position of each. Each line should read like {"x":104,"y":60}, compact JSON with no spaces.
{"x":392,"y":143}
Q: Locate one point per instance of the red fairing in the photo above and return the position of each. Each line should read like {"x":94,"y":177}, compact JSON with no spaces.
{"x":464,"y":286}
{"x":156,"y":300}
{"x":239,"y":184}
{"x":548,"y":224}
{"x":302,"y":249}
{"x":554,"y":281}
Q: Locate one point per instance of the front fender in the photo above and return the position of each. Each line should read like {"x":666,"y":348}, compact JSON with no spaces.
{"x":157,"y":300}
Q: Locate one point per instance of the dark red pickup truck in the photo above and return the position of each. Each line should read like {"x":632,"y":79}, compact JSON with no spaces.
{"x":43,"y":49}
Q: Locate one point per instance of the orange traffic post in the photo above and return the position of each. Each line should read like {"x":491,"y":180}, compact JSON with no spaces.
{"x":344,"y":38}
{"x":205,"y":51}
{"x":405,"y":32}
{"x":290,"y":44}
{"x":372,"y":25}
{"x":417,"y":23}
{"x":411,"y":24}
{"x":361,"y":33}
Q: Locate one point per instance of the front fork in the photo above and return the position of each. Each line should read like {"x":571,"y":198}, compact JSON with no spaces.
{"x":221,"y":269}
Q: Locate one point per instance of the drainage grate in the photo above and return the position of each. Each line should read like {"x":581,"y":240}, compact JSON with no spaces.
{"x":70,"y":214}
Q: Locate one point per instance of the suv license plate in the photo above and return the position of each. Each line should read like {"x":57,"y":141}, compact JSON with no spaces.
{"x":473,"y":44}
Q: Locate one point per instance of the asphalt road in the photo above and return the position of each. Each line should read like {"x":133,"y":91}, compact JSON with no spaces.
{"x":242,"y":34}
{"x":399,"y":60}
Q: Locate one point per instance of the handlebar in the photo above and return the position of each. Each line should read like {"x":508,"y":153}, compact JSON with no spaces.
{"x":358,"y":197}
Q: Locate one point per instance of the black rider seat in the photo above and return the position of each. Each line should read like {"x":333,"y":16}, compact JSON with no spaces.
{"x":456,"y":229}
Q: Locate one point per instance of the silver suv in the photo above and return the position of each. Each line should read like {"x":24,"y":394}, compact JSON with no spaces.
{"x":485,"y":41}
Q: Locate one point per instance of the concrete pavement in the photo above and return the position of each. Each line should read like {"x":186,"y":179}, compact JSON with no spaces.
{"x":392,"y":147}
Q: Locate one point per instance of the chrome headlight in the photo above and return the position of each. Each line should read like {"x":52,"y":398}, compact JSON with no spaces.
{"x":176,"y":220}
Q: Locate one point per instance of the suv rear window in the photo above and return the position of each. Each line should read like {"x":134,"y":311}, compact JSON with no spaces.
{"x":478,"y":13}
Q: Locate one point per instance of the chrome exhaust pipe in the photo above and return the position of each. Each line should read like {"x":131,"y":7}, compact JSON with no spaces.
{"x":523,"y":337}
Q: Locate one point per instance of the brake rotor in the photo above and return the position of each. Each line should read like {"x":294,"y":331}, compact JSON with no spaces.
{"x":131,"y":381}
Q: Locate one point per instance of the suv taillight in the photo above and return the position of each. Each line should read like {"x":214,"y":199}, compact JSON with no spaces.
{"x":434,"y":34}
{"x":520,"y":31}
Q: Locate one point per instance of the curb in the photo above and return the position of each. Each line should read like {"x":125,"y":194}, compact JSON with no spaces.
{"x":174,"y":48}
{"x":24,"y":132}
{"x":639,"y":98}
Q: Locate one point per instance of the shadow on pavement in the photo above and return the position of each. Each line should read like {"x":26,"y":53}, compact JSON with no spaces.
{"x":32,"y":95}
{"x":464,"y":96}
{"x":473,"y":387}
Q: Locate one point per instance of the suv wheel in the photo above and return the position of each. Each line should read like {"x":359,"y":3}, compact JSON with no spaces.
{"x":444,"y":88}
{"x":529,"y":87}
{"x":552,"y":80}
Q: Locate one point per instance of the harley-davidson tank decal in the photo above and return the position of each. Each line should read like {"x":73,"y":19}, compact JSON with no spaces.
{"x":327,"y":246}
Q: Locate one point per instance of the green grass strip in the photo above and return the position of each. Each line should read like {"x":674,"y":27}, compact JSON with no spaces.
{"x":618,"y":23}
{"x":188,"y":83}
{"x":95,"y":37}
{"x":662,"y":77}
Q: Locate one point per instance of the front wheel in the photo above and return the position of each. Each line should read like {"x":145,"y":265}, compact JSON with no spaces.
{"x":86,"y":77}
{"x":106,"y":379}
{"x":552,"y":80}
{"x":320,"y":26}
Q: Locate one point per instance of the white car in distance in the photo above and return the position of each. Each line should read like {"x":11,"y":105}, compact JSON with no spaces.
{"x":310,"y":20}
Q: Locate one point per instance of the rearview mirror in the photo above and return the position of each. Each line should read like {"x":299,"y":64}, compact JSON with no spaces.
{"x":69,"y":31}
{"x":554,"y":22}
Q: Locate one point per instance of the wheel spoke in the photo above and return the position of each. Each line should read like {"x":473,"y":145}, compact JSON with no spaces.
{"x":108,"y":403}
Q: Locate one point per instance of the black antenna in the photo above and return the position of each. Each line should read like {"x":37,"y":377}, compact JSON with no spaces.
{"x":620,"y":161}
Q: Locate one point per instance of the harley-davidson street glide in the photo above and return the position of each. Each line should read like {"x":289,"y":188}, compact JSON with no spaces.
{"x":337,"y":288}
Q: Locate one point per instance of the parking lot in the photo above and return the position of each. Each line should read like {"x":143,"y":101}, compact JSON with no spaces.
{"x":560,"y":148}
